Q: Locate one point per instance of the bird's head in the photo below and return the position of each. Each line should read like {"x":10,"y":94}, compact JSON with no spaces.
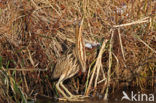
{"x":80,"y":47}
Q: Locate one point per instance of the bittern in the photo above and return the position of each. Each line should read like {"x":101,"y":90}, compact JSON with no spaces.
{"x":70,"y":64}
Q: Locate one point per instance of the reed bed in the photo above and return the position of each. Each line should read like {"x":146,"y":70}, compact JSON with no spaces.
{"x":34,"y":33}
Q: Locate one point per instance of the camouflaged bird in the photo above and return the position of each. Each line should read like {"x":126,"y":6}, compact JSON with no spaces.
{"x":70,"y":64}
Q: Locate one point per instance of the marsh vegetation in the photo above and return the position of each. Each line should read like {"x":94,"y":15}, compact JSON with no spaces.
{"x":120,"y":34}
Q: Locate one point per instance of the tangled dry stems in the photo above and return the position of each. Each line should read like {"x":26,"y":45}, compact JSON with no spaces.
{"x":33,"y":34}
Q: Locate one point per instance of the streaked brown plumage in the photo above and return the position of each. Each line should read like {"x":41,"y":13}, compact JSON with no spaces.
{"x":80,"y":48}
{"x":70,"y":64}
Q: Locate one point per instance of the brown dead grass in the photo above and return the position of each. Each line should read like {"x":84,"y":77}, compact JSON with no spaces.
{"x":32,"y":33}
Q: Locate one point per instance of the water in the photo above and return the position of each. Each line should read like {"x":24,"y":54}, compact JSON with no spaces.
{"x":92,"y":101}
{"x":115,"y":97}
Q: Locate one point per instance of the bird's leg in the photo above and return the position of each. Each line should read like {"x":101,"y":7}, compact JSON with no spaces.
{"x":58,"y":88}
{"x":61,"y":83}
{"x":71,"y":95}
{"x":69,"y":98}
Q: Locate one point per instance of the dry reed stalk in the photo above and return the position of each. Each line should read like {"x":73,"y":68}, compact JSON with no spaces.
{"x":26,"y":69}
{"x":88,"y":74}
{"x":48,"y":3}
{"x":45,"y":14}
{"x":30,"y":58}
{"x":121,"y":45}
{"x":99,"y":64}
{"x":97,"y":68}
{"x":136,"y":36}
{"x":110,"y":65}
{"x":117,"y":65}
{"x":144,"y":20}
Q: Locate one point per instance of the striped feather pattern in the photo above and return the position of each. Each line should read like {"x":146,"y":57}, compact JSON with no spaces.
{"x":80,"y":47}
